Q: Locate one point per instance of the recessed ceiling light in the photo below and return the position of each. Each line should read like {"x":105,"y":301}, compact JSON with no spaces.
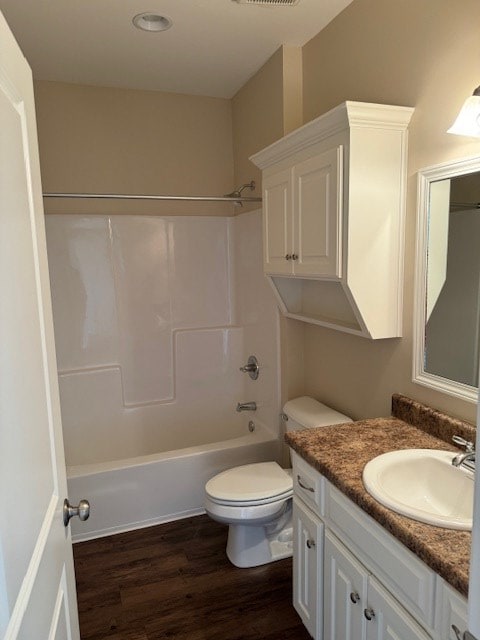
{"x":152,"y":22}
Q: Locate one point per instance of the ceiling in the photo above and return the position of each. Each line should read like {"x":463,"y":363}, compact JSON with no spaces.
{"x":213,"y":47}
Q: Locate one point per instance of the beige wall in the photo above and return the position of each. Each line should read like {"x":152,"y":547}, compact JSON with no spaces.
{"x":257,"y":114}
{"x":420,"y":53}
{"x":423,"y":54}
{"x":97,"y":139}
{"x":267,"y":107}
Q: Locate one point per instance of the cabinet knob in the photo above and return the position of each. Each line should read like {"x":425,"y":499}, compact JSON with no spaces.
{"x":288,"y":256}
{"x":354,"y":597}
{"x":294,"y":256}
{"x":310,"y":543}
{"x":369,"y":613}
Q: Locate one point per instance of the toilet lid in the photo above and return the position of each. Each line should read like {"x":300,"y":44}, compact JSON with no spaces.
{"x":250,"y":482}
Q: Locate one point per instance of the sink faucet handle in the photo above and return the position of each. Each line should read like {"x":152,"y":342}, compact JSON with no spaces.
{"x":469,"y":446}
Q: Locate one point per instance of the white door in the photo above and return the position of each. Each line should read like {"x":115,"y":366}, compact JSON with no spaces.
{"x":345,"y":593}
{"x":37,"y":588}
{"x":386,"y":619}
{"x":308,"y":568}
{"x":278,"y":223}
{"x":317,"y":215}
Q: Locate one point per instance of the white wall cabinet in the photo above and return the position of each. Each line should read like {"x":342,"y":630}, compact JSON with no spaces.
{"x":302,"y":217}
{"x":369,"y":586}
{"x":334,"y":207}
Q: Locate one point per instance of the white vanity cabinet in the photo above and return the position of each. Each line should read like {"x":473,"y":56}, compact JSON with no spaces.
{"x":308,"y":567}
{"x":451,"y":613}
{"x":369,"y":585}
{"x":333,"y":218}
{"x":356,"y":605}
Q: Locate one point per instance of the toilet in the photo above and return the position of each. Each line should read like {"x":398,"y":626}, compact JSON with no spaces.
{"x":255,"y":500}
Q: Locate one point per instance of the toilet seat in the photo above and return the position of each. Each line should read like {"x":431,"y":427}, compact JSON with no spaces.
{"x":250,"y":485}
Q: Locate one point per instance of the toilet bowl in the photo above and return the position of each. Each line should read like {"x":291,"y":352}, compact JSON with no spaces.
{"x":255,"y":500}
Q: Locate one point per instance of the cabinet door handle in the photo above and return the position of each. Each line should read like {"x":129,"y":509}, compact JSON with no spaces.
{"x":369,"y":613}
{"x":294,"y":256}
{"x":354,"y":597}
{"x":310,"y":543}
{"x":304,"y":486}
{"x":288,"y":256}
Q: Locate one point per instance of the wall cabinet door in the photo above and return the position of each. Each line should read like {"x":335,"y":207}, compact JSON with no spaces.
{"x":308,"y":568}
{"x":345,"y":593}
{"x":387,"y":620}
{"x":278,"y":223}
{"x":317,"y":217}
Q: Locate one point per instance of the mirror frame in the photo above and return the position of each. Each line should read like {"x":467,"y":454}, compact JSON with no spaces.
{"x":426,"y":176}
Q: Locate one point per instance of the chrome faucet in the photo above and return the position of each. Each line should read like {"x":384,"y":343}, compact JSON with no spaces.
{"x":246,"y":406}
{"x":467,"y":458}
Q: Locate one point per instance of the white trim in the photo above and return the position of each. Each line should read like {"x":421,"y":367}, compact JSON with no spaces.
{"x":57,"y":609}
{"x":25,"y":592}
{"x":430,"y":174}
{"x":356,"y":114}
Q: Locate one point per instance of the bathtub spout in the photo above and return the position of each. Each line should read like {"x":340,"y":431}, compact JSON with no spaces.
{"x":246,"y":406}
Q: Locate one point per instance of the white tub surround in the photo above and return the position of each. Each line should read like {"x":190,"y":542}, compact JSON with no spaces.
{"x":153,"y":318}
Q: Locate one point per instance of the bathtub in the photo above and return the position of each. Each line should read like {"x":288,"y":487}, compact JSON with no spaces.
{"x":139,"y":492}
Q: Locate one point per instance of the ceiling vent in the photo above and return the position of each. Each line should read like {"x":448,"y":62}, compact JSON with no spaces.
{"x":270,"y":3}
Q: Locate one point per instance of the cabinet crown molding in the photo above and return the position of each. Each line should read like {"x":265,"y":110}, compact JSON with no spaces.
{"x":349,"y":114}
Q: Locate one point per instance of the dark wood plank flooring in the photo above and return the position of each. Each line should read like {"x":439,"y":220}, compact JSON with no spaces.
{"x":174,"y":581}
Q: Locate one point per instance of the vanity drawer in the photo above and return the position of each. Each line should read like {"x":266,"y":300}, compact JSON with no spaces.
{"x":308,"y":484}
{"x":407,"y":577}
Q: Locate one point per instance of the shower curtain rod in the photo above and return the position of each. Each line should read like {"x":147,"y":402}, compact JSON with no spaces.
{"x":465,"y":205}
{"x":123,"y":196}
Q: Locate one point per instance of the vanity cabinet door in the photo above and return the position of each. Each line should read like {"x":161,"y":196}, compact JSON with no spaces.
{"x":345,"y":589}
{"x":386,"y":619}
{"x":308,"y":531}
{"x":317,"y":215}
{"x":451,"y":613}
{"x":278,"y":223}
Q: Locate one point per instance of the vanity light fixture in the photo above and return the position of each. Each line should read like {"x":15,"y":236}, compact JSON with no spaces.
{"x":468,"y":120}
{"x":152,"y":22}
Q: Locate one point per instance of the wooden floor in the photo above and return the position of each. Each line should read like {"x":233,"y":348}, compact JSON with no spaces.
{"x":174,"y":581}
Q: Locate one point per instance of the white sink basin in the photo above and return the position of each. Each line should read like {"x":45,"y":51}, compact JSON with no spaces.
{"x":424,"y":485}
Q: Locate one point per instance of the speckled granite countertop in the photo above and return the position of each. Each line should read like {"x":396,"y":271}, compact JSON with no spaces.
{"x":340,"y":452}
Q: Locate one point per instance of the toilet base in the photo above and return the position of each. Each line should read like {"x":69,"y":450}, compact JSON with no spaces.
{"x":254,"y":545}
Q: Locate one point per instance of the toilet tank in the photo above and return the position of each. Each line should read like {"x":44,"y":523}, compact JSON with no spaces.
{"x":306,"y":412}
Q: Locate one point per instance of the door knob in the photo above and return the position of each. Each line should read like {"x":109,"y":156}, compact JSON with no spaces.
{"x":82,"y":511}
{"x":310,"y":543}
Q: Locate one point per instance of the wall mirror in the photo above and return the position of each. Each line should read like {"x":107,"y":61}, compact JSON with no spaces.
{"x":447,"y":279}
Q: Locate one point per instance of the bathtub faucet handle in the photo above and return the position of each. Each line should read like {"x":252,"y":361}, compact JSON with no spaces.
{"x":246,"y":406}
{"x":251,"y":367}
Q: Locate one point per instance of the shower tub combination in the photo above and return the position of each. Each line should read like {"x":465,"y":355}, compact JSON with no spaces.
{"x":153,"y":318}
{"x":146,"y":490}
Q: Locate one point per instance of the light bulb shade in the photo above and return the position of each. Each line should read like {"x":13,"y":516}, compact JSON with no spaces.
{"x":468,"y":120}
